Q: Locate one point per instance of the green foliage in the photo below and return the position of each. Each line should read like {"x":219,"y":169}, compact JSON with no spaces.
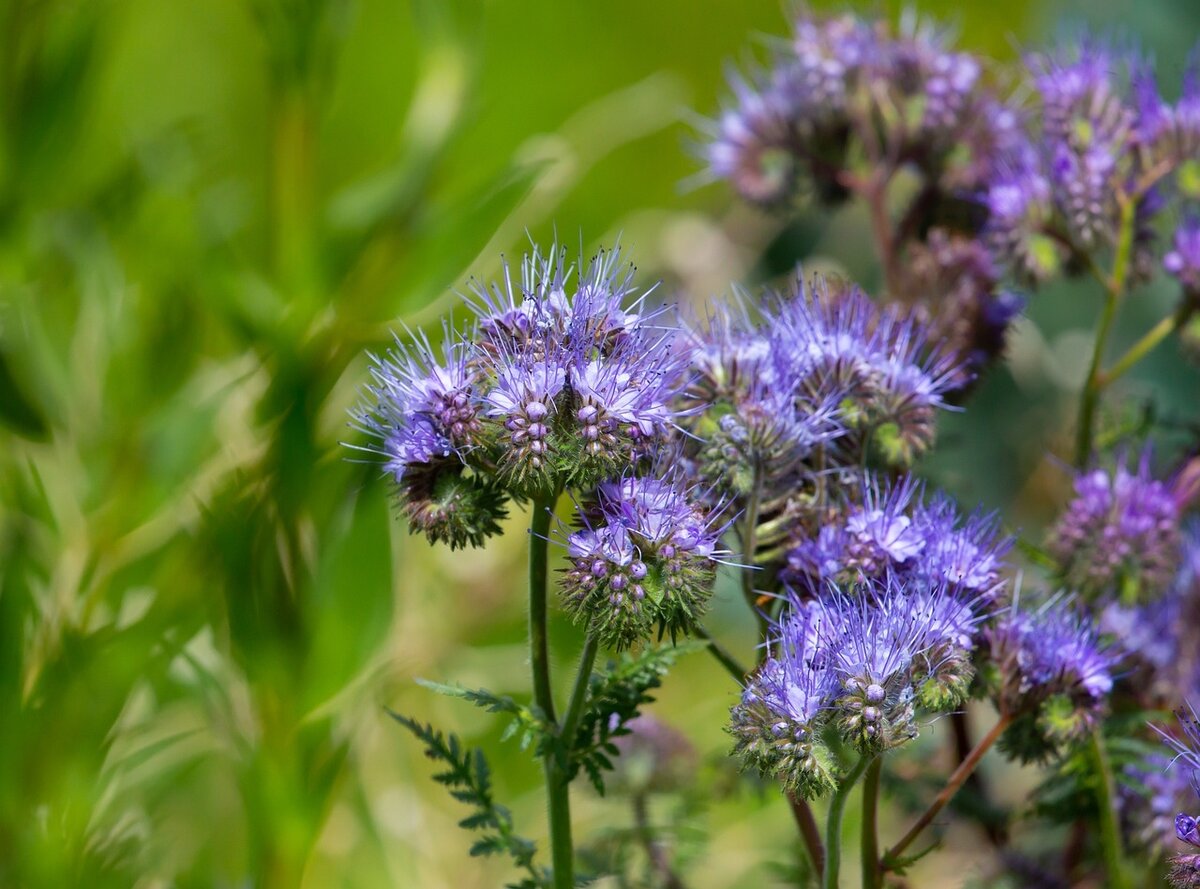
{"x":468,"y":778}
{"x":527,"y":722}
{"x":615,"y":696}
{"x":1068,"y":791}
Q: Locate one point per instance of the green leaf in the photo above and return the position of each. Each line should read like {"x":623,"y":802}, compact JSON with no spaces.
{"x":17,"y":410}
{"x":468,"y":777}
{"x":614,"y":698}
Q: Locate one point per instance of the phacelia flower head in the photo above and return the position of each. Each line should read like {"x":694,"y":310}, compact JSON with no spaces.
{"x":861,"y":661}
{"x":890,"y":528}
{"x":748,"y":416}
{"x":1086,"y":131}
{"x":1052,"y":674}
{"x":785,"y":703}
{"x":643,"y":556}
{"x":563,"y":380}
{"x":894,"y":648}
{"x":1155,"y":791}
{"x":890,"y":378}
{"x":1119,"y":536}
{"x":842,"y":83}
{"x":753,"y":144}
{"x":424,"y":415}
{"x":578,"y":380}
{"x":1169,"y":135}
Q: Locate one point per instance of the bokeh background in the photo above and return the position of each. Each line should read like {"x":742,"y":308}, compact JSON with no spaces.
{"x":209,"y":211}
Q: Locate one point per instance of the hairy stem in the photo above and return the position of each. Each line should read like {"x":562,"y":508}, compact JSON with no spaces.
{"x":749,"y":551}
{"x":1106,"y":801}
{"x":871,"y":873}
{"x":965,"y":768}
{"x":583,"y":678}
{"x":875,"y":194}
{"x":558,"y":795}
{"x":833,"y":826}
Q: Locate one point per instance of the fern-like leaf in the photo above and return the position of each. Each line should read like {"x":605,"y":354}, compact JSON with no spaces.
{"x":468,"y":778}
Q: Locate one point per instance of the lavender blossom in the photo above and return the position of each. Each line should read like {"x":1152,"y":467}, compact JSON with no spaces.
{"x":425,"y":416}
{"x":890,"y":528}
{"x":644,"y":556}
{"x":1119,"y":536}
{"x":749,"y":416}
{"x":1052,"y":673}
{"x":579,"y":382}
{"x":1086,"y":130}
{"x":1154,"y":794}
{"x":778,"y":720}
{"x":891,"y":379}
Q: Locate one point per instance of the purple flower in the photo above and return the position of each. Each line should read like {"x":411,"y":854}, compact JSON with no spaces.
{"x":420,"y":409}
{"x":1153,"y":794}
{"x":796,"y":683}
{"x":644,"y":556}
{"x":1048,"y":652}
{"x":893,"y":647}
{"x":890,"y":379}
{"x":746,"y":410}
{"x":875,"y":535}
{"x":540,"y":319}
{"x":1119,"y":535}
{"x":785,"y":704}
{"x":752,"y":146}
{"x":1183,"y":261}
{"x":967,"y":553}
{"x":889,"y":528}
{"x":524,"y":400}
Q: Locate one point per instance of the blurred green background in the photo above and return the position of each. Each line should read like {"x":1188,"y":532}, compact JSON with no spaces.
{"x":208,"y":212}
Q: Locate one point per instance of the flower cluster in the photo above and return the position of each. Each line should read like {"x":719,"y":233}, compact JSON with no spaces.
{"x":843,"y":108}
{"x":1119,"y":536}
{"x":552,"y":386}
{"x":1100,"y":143}
{"x":825,"y":364}
{"x":860,"y":663}
{"x":887,"y":528}
{"x":643,"y":557}
{"x":842,"y":83}
{"x":555,"y":386}
{"x":1051,"y":672}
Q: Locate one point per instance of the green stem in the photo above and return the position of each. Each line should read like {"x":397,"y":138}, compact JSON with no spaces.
{"x":583,"y":678}
{"x":749,"y":551}
{"x":870,"y":824}
{"x":1089,"y":398}
{"x":833,"y":826}
{"x":1106,"y":800}
{"x":558,"y":794}
{"x":1143,"y":346}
